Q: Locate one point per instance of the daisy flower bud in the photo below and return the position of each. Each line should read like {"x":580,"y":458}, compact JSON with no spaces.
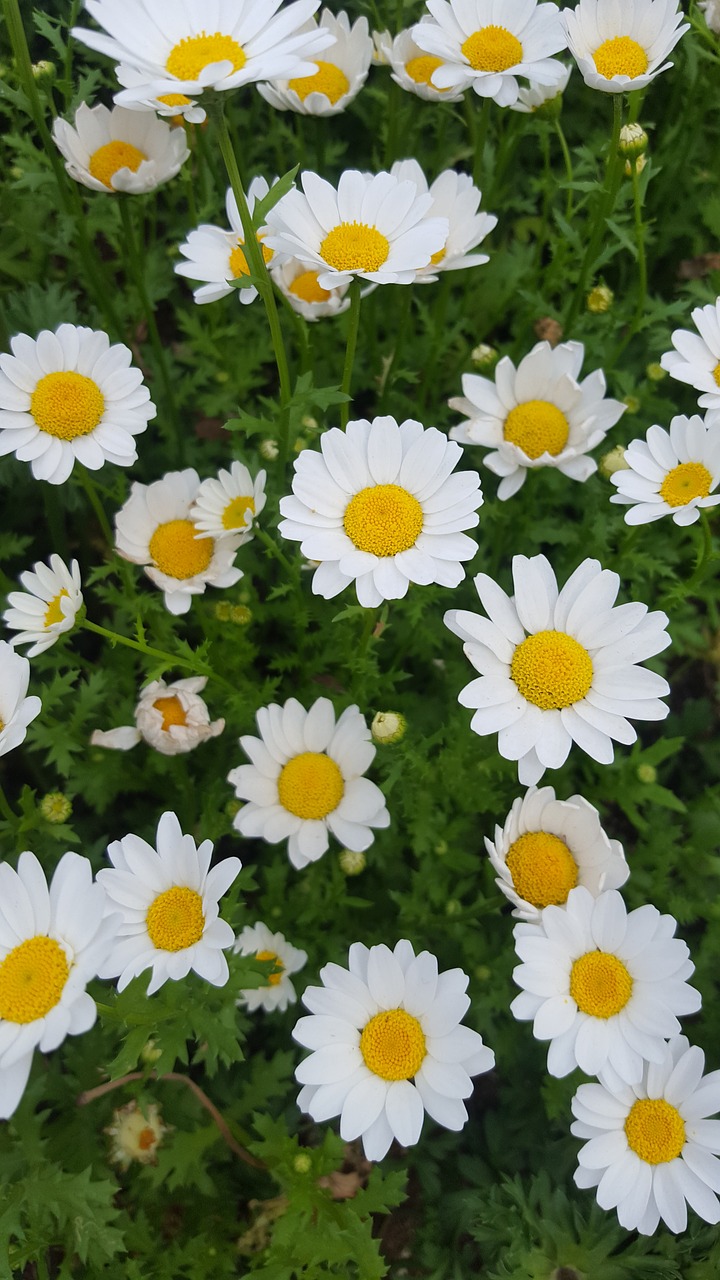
{"x":268,"y":449}
{"x":633,"y":140}
{"x":55,"y":807}
{"x":638,"y":163}
{"x":655,"y":372}
{"x":388,"y":727}
{"x":484,"y":356}
{"x":613,"y":461}
{"x":43,"y":70}
{"x":599,"y":299}
{"x":647,"y":774}
{"x":302,"y":1163}
{"x":352,"y":863}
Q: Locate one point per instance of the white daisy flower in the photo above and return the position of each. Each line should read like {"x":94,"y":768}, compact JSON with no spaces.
{"x":47,"y":607}
{"x":491,"y":55}
{"x":119,"y":150}
{"x":53,"y":941}
{"x":547,"y":847}
{"x":380,"y":507}
{"x":558,"y":667}
{"x":536,"y":96}
{"x":538,"y":415}
{"x":336,"y":80}
{"x":412,"y":68}
{"x":154,"y":528}
{"x":622,"y":47}
{"x":696,"y":358}
{"x":70,"y":396}
{"x":168,"y":899}
{"x":711,"y":10}
{"x":388,"y":1045}
{"x":170,"y":105}
{"x":299,"y":283}
{"x":172,"y":718}
{"x":650,"y":1148}
{"x":17,"y":711}
{"x":373,"y":226}
{"x":605,"y":986}
{"x":306,"y":779}
{"x":671,"y":473}
{"x":456,"y":198}
{"x":227,"y":506}
{"x":218,"y":256}
{"x":257,"y":940}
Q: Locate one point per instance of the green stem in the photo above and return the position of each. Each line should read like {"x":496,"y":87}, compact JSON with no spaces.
{"x":97,"y":506}
{"x":568,"y":167}
{"x":547,"y":188}
{"x":263,"y":537}
{"x":605,"y":205}
{"x":6,"y":808}
{"x":400,"y":330}
{"x":478,"y":133}
{"x":704,"y":553}
{"x":640,"y":242}
{"x":170,"y":659}
{"x":352,"y":336}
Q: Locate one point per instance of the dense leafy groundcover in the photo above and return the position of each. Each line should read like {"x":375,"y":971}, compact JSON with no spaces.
{"x":242,"y":1182}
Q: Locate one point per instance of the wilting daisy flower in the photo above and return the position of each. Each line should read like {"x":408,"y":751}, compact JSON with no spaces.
{"x":605,"y":986}
{"x":388,"y":1045}
{"x":537,"y":96}
{"x":456,"y":198}
{"x":373,"y":226}
{"x":336,"y":80}
{"x":172,"y":718}
{"x":53,"y":941}
{"x":16,"y":709}
{"x":649,"y":1146}
{"x":380,"y":507}
{"x":671,"y":473}
{"x":412,"y":68}
{"x":136,"y":1133}
{"x":547,"y":847}
{"x":558,"y":667}
{"x":257,"y":940}
{"x":227,"y":506}
{"x":120,"y":150}
{"x":306,"y":779}
{"x":696,"y":358}
{"x":167,"y":898}
{"x":491,"y":55}
{"x":299,"y":283}
{"x":154,"y":528}
{"x":47,"y":607}
{"x":619,"y":47}
{"x":218,"y":256}
{"x":69,"y":396}
{"x":538,"y":415}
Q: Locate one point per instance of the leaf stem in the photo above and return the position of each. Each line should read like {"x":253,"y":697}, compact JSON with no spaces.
{"x":170,"y":659}
{"x":6,"y":808}
{"x":605,"y":205}
{"x":352,"y":336}
{"x":568,"y":166}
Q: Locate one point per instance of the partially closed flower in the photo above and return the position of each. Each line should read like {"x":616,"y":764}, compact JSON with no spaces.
{"x":622,"y":47}
{"x":338,"y":77}
{"x":120,"y":150}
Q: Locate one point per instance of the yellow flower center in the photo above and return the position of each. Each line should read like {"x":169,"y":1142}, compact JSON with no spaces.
{"x":239,"y":263}
{"x":438,"y":257}
{"x":492,"y":48}
{"x":105,"y":162}
{"x":275,"y":978}
{"x":621,"y":56}
{"x":188,"y":58}
{"x":329,"y":80}
{"x":32,"y":979}
{"x":67,"y":405}
{"x":552,"y":670}
{"x":54,"y":613}
{"x":175,"y":919}
{"x":655,"y":1130}
{"x":235,"y":513}
{"x":537,"y":427}
{"x":716,"y":374}
{"x":354,"y":246}
{"x":174,"y":100}
{"x":686,"y":481}
{"x":310,"y":785}
{"x":393,"y":1045}
{"x":383,"y":519}
{"x":600,"y":984}
{"x":177,"y":552}
{"x":171,"y":710}
{"x":306,"y":287}
{"x":542,"y":868}
{"x":421,"y":70}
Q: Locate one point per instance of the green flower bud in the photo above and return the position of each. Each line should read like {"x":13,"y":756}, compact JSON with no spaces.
{"x":43,"y":71}
{"x":302,"y":1163}
{"x":633,"y":140}
{"x":351,"y":862}
{"x":484,"y":356}
{"x":613,"y":461}
{"x":647,"y":773}
{"x":599,"y":299}
{"x":55,"y":807}
{"x":268,"y":450}
{"x":655,"y":372}
{"x":453,"y":907}
{"x":388,"y":727}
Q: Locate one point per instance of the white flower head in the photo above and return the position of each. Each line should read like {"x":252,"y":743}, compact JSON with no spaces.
{"x":536,"y":96}
{"x":172,"y":718}
{"x":538,"y":415}
{"x":257,"y":940}
{"x":696,"y":358}
{"x":17,"y":711}
{"x":306,"y":780}
{"x":298,"y":281}
{"x":119,"y":150}
{"x":70,"y":396}
{"x":136,"y":1134}
{"x":227,"y":507}
{"x":711,"y":10}
{"x":47,"y":607}
{"x":336,"y":80}
{"x":217,"y":256}
{"x":622,"y":47}
{"x":671,"y":473}
{"x":456,"y":198}
{"x":412,"y":68}
{"x":388,"y":1045}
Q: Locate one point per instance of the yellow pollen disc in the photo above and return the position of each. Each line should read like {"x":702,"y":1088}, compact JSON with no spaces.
{"x":542,"y":868}
{"x":310,"y":785}
{"x":393,"y":1045}
{"x":492,"y":49}
{"x":437,"y":257}
{"x":306,"y":287}
{"x":105,"y":162}
{"x":32,"y":979}
{"x":716,"y":374}
{"x":54,"y":612}
{"x":188,"y":58}
{"x":655,"y":1130}
{"x":234,"y":515}
{"x":686,"y":481}
{"x":421,"y":70}
{"x":147,"y":1138}
{"x":175,"y":919}
{"x":177,"y":552}
{"x":621,"y":56}
{"x":239,"y":263}
{"x":329,"y":80}
{"x":537,"y":427}
{"x":171,"y":710}
{"x":275,"y":978}
{"x":600,"y":984}
{"x":174,"y":100}
{"x":354,"y":246}
{"x":383,"y":519}
{"x":67,"y":405}
{"x":552,"y":670}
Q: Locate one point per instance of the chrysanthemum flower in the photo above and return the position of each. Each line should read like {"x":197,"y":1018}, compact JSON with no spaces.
{"x":168,"y":899}
{"x":650,"y":1148}
{"x":537,"y":96}
{"x":16,"y":709}
{"x":696,"y":358}
{"x":69,"y":396}
{"x":306,"y":779}
{"x":47,"y":607}
{"x":412,"y":68}
{"x":538,"y":415}
{"x":218,"y":256}
{"x":456,"y":198}
{"x":558,"y":667}
{"x":388,"y":1045}
{"x":136,"y":1133}
{"x":622,"y":47}
{"x":172,"y":718}
{"x":154,"y":528}
{"x":337,"y":79}
{"x":299,"y":283}
{"x":119,"y":150}
{"x":671,"y":473}
{"x":226,"y":507}
{"x":380,"y":507}
{"x":257,"y":940}
{"x":547,"y":847}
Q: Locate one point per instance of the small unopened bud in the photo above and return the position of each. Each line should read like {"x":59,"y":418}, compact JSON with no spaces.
{"x":548,"y":330}
{"x":599,"y":299}
{"x":453,"y":907}
{"x":482,"y":972}
{"x":300,"y":444}
{"x":55,"y":807}
{"x":484,"y":356}
{"x":639,"y":162}
{"x":613,"y":461}
{"x":150,"y":1052}
{"x":309,"y":423}
{"x":351,"y":862}
{"x":302,"y":1163}
{"x":633,"y":140}
{"x":222,"y":375}
{"x":655,"y":372}
{"x":232,"y":808}
{"x":647,"y":773}
{"x":632,"y":404}
{"x":43,"y":70}
{"x":222,"y":610}
{"x":388,"y":727}
{"x":268,"y":450}
{"x":240,"y":615}
{"x":440,"y":848}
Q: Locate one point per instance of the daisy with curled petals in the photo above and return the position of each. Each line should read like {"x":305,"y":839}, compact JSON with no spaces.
{"x":670,"y":473}
{"x":257,"y":940}
{"x":547,"y":847}
{"x":172,"y":718}
{"x":538,"y":96}
{"x":227,"y":506}
{"x":53,"y":941}
{"x":154,"y":528}
{"x":306,"y":779}
{"x":538,"y":415}
{"x":388,"y":1045}
{"x":456,"y":198}
{"x":336,"y":80}
{"x":119,"y":150}
{"x":412,"y":68}
{"x":47,"y":607}
{"x":17,"y":711}
{"x":622,"y":47}
{"x":558,"y":667}
{"x":299,"y":283}
{"x":167,"y":898}
{"x":380,"y":506}
{"x":69,"y":396}
{"x":218,"y":256}
{"x":696,"y":358}
{"x":650,"y":1148}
